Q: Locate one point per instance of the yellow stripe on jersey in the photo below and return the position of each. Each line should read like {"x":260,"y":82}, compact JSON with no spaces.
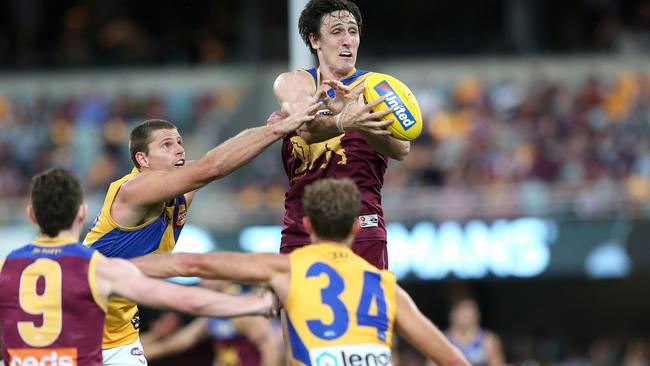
{"x":2,"y":261}
{"x":92,"y":282}
{"x":313,"y":82}
{"x":337,"y":299}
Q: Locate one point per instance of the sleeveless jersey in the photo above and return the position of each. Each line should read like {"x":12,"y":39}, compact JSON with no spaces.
{"x":231,"y":348}
{"x":347,"y":155}
{"x":473,"y":350}
{"x":50,"y":310}
{"x":157,"y":235}
{"x":340,"y":309}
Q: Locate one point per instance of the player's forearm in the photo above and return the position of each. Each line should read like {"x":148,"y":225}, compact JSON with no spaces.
{"x":166,"y":265}
{"x":239,"y":150}
{"x":221,"y":305}
{"x":223,"y":266}
{"x":388,"y":145}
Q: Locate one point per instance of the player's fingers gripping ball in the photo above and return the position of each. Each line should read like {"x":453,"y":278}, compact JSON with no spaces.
{"x":407,"y":118}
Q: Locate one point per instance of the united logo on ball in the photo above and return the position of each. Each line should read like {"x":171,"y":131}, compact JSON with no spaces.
{"x":406,"y":114}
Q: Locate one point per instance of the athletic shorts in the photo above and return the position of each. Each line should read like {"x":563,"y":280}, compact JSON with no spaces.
{"x":127,"y":355}
{"x":374,"y":252}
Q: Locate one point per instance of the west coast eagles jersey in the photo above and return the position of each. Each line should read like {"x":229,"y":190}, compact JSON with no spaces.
{"x":340,"y":309}
{"x":158,"y":235}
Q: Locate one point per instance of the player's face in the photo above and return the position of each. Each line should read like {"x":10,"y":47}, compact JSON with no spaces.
{"x":465,"y":314}
{"x":338,"y":43}
{"x":166,"y":150}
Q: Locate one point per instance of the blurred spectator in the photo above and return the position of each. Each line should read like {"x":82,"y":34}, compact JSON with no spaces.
{"x":480,"y":346}
{"x":636,"y":353}
{"x":493,"y":149}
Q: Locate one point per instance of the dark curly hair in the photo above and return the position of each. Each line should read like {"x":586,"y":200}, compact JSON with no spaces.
{"x":141,"y":136}
{"x":313,"y":13}
{"x":332,"y":205}
{"x":56,"y":197}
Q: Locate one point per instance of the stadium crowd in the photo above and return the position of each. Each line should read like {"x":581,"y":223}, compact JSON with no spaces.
{"x":497,"y":148}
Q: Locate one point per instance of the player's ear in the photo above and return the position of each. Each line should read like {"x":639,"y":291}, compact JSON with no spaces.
{"x":141,"y":158}
{"x":82,"y":212}
{"x":313,"y":40}
{"x":306,"y":222}
{"x":356,"y":227}
{"x":31,"y":214}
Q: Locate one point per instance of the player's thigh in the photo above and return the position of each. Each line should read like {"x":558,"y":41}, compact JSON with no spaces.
{"x":373,"y":251}
{"x":127,"y":355}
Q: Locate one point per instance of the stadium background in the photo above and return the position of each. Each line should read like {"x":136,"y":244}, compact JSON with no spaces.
{"x":529,"y":188}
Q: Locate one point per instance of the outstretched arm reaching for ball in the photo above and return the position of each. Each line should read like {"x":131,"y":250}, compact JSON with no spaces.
{"x":294,"y":89}
{"x":148,"y":190}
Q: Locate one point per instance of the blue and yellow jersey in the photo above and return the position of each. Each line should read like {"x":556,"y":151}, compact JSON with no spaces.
{"x":340,"y":309}
{"x":352,"y":79}
{"x":158,"y":235}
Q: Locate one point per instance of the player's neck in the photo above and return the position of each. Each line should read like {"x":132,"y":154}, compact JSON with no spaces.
{"x":344,"y":243}
{"x":71,"y":234}
{"x":328,"y":74}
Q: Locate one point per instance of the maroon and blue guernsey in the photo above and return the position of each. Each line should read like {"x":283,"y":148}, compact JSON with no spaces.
{"x":50,"y":310}
{"x":344,"y":156}
{"x":230,"y":347}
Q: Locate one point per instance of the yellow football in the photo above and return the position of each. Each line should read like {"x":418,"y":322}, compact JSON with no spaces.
{"x":406,"y":114}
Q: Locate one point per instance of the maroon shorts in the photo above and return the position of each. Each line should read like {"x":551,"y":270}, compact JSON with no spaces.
{"x":374,"y":252}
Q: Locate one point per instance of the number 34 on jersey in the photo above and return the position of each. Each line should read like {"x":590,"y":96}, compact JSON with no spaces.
{"x":339,"y":308}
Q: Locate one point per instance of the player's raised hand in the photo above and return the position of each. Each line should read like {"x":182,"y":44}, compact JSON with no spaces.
{"x":343,"y":95}
{"x":282,"y":123}
{"x":271,"y":302}
{"x":356,"y":115}
{"x":276,"y":116}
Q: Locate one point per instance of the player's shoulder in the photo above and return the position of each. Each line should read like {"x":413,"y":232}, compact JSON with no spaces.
{"x":292,"y":79}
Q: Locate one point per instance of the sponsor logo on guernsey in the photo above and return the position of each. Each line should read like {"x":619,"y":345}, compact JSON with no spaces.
{"x":182,"y":215}
{"x":404,"y":116}
{"x":356,"y":355}
{"x":369,"y":220}
{"x":42,"y":356}
{"x":137,"y":351}
{"x":135,"y":321}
